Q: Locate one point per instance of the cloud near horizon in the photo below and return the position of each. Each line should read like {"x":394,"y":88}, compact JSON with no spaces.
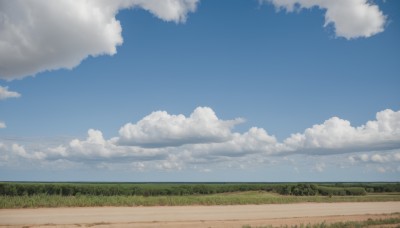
{"x":160,"y":129}
{"x":176,"y":141}
{"x":336,"y":135}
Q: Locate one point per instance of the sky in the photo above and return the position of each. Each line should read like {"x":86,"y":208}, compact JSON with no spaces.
{"x":200,"y":90}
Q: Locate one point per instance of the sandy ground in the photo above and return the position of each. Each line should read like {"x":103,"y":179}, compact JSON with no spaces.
{"x":196,"y":216}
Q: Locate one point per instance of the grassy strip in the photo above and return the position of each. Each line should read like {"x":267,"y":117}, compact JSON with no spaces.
{"x":241,"y":198}
{"x":349,"y":224}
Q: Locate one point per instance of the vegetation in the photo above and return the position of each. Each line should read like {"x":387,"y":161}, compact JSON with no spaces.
{"x":312,"y":189}
{"x":124,"y":189}
{"x":179,"y":189}
{"x":349,"y":224}
{"x":25,"y":194}
{"x":237,"y":198}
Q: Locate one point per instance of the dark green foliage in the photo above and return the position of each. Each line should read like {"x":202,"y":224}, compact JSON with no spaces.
{"x":313,"y":189}
{"x":341,"y":191}
{"x":299,"y":190}
{"x":179,"y":189}
{"x":123,"y":189}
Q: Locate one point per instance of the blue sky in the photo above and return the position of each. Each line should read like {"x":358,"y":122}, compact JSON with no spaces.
{"x":200,"y":91}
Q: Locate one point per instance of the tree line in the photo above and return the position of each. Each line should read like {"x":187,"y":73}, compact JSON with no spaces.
{"x":170,"y":189}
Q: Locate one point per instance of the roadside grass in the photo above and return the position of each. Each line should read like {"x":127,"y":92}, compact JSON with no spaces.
{"x":388,"y":222}
{"x":239,"y":198}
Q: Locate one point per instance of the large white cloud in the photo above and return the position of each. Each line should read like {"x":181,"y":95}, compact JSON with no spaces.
{"x":336,"y":135}
{"x":164,"y":141}
{"x":5,"y":93}
{"x":2,"y":125}
{"x":40,"y":35}
{"x":350,"y":18}
{"x":160,"y":129}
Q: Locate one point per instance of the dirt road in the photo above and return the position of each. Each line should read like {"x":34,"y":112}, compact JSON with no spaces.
{"x":192,"y":216}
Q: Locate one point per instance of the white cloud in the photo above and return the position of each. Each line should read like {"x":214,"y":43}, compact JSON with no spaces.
{"x":170,"y":142}
{"x":379,"y":158}
{"x":356,"y":158}
{"x":388,"y":157}
{"x":44,"y":35}
{"x":336,"y":135}
{"x":170,"y":10}
{"x":2,"y":125}
{"x":254,"y":141}
{"x":364,"y":157}
{"x":160,"y":129}
{"x":40,"y":35}
{"x":203,"y":141}
{"x":350,"y":18}
{"x":20,"y":151}
{"x":96,"y":148}
{"x":5,"y":93}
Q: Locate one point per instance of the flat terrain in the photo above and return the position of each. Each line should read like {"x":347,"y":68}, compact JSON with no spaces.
{"x":234,"y":198}
{"x":197,"y":216}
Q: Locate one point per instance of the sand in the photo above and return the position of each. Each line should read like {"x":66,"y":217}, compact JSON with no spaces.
{"x":197,"y":216}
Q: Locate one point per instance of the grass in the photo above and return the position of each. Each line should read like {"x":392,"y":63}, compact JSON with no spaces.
{"x":349,"y":224}
{"x":239,"y":198}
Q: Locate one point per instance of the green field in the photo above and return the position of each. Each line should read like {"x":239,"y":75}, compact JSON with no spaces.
{"x":32,"y":195}
{"x":237,"y":198}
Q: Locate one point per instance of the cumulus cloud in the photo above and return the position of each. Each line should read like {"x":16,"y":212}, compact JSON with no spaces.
{"x":2,"y":125}
{"x":336,"y":135}
{"x":40,"y":35}
{"x":160,"y":129}
{"x":254,"y":141}
{"x":96,"y":148}
{"x":350,"y":18}
{"x":44,"y":35}
{"x":174,"y":142}
{"x":20,"y":151}
{"x":5,"y":93}
{"x":169,"y":141}
{"x":16,"y":150}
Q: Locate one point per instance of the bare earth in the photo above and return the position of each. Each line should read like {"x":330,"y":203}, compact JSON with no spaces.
{"x":197,"y":216}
